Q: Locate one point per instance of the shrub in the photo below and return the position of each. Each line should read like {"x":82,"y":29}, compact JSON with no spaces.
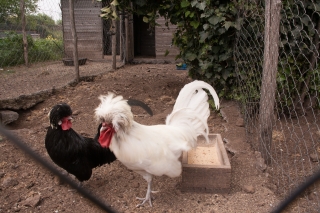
{"x":11,"y":49}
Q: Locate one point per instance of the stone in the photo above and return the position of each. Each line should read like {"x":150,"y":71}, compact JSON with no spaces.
{"x":2,"y":174}
{"x":58,"y":181}
{"x":240,"y":122}
{"x":249,"y":189}
{"x":135,"y":184}
{"x":9,"y":182}
{"x":130,"y":177}
{"x":314,"y":157}
{"x":31,"y":201}
{"x":260,"y":164}
{"x":7,"y":116}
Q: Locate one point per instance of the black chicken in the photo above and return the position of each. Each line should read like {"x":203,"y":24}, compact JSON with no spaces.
{"x":76,"y":154}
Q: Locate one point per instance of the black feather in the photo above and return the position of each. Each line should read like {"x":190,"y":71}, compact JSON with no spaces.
{"x":133,"y":102}
{"x":76,"y":154}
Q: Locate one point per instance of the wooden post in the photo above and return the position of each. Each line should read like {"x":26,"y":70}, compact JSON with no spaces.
{"x":129,"y":37}
{"x":127,"y":52}
{"x":24,"y":34}
{"x":114,"y":43}
{"x":75,"y":40}
{"x":268,"y":86}
{"x":121,"y":37}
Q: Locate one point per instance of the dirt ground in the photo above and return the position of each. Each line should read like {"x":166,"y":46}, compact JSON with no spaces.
{"x":27,"y":187}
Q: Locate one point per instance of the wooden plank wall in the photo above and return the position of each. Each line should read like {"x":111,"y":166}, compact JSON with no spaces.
{"x":88,"y":26}
{"x":163,"y":40}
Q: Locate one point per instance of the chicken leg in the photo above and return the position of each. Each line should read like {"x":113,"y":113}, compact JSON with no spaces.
{"x":148,"y":178}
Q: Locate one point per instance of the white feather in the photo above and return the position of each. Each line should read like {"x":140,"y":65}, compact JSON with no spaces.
{"x":155,"y":150}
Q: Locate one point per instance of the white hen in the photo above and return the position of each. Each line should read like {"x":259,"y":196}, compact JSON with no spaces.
{"x":155,"y":150}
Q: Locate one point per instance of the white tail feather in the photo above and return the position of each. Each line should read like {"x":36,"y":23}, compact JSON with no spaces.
{"x":192,"y":107}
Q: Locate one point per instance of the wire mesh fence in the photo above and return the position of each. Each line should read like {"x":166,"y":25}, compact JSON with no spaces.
{"x":42,"y":29}
{"x":47,"y":30}
{"x":295,"y":148}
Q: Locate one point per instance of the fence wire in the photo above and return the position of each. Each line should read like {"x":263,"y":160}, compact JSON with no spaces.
{"x":295,"y":149}
{"x":43,"y":29}
{"x":48,"y":33}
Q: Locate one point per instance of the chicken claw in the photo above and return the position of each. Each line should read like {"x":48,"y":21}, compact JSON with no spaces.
{"x":147,"y":198}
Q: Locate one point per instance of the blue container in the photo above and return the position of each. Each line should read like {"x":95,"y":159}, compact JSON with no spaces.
{"x":182,"y":67}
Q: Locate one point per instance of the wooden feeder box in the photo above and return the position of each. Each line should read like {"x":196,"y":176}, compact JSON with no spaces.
{"x":70,"y":62}
{"x":206,"y":168}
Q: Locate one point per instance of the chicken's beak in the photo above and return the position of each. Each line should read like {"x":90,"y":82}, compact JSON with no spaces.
{"x":103,"y":127}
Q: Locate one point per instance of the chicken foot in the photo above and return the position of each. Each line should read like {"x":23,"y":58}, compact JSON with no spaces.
{"x":148,"y":178}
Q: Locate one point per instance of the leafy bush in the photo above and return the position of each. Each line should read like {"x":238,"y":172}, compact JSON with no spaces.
{"x":206,"y":32}
{"x":11,"y":49}
{"x":298,"y":76}
{"x":46,"y":49}
{"x":206,"y":40}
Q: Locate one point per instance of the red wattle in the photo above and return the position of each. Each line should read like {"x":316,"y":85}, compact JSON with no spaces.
{"x":106,"y":136}
{"x":66,"y":124}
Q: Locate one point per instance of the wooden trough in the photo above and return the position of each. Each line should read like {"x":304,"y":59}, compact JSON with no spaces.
{"x":206,"y":168}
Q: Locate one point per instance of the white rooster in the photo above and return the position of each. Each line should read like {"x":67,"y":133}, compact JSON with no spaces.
{"x":155,"y":150}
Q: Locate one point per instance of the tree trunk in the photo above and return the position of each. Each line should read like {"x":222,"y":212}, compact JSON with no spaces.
{"x":268,"y":86}
{"x":24,"y":34}
{"x":75,"y":40}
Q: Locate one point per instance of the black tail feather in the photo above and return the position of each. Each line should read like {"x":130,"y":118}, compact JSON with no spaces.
{"x":133,"y":102}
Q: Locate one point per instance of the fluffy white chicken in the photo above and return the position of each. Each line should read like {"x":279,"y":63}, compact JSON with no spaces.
{"x":155,"y":150}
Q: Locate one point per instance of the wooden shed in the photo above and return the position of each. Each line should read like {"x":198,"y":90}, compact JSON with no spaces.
{"x":94,"y":39}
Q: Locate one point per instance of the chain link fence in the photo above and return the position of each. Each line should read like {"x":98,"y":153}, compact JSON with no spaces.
{"x":295,"y":146}
{"x":47,"y":32}
{"x":42,"y":28}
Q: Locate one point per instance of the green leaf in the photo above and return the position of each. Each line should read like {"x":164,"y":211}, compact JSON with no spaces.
{"x":106,"y":9}
{"x":141,"y":2}
{"x":114,"y":3}
{"x":145,"y":19}
{"x":203,"y":36}
{"x":305,"y":20}
{"x":187,"y":13}
{"x":214,"y":20}
{"x":225,"y":74}
{"x":223,"y":57}
{"x":195,"y":24}
{"x":201,"y":5}
{"x":208,"y":75}
{"x":228,"y":24}
{"x":191,"y":56}
{"x":185,"y":3}
{"x":166,"y":53}
{"x":194,"y":3}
